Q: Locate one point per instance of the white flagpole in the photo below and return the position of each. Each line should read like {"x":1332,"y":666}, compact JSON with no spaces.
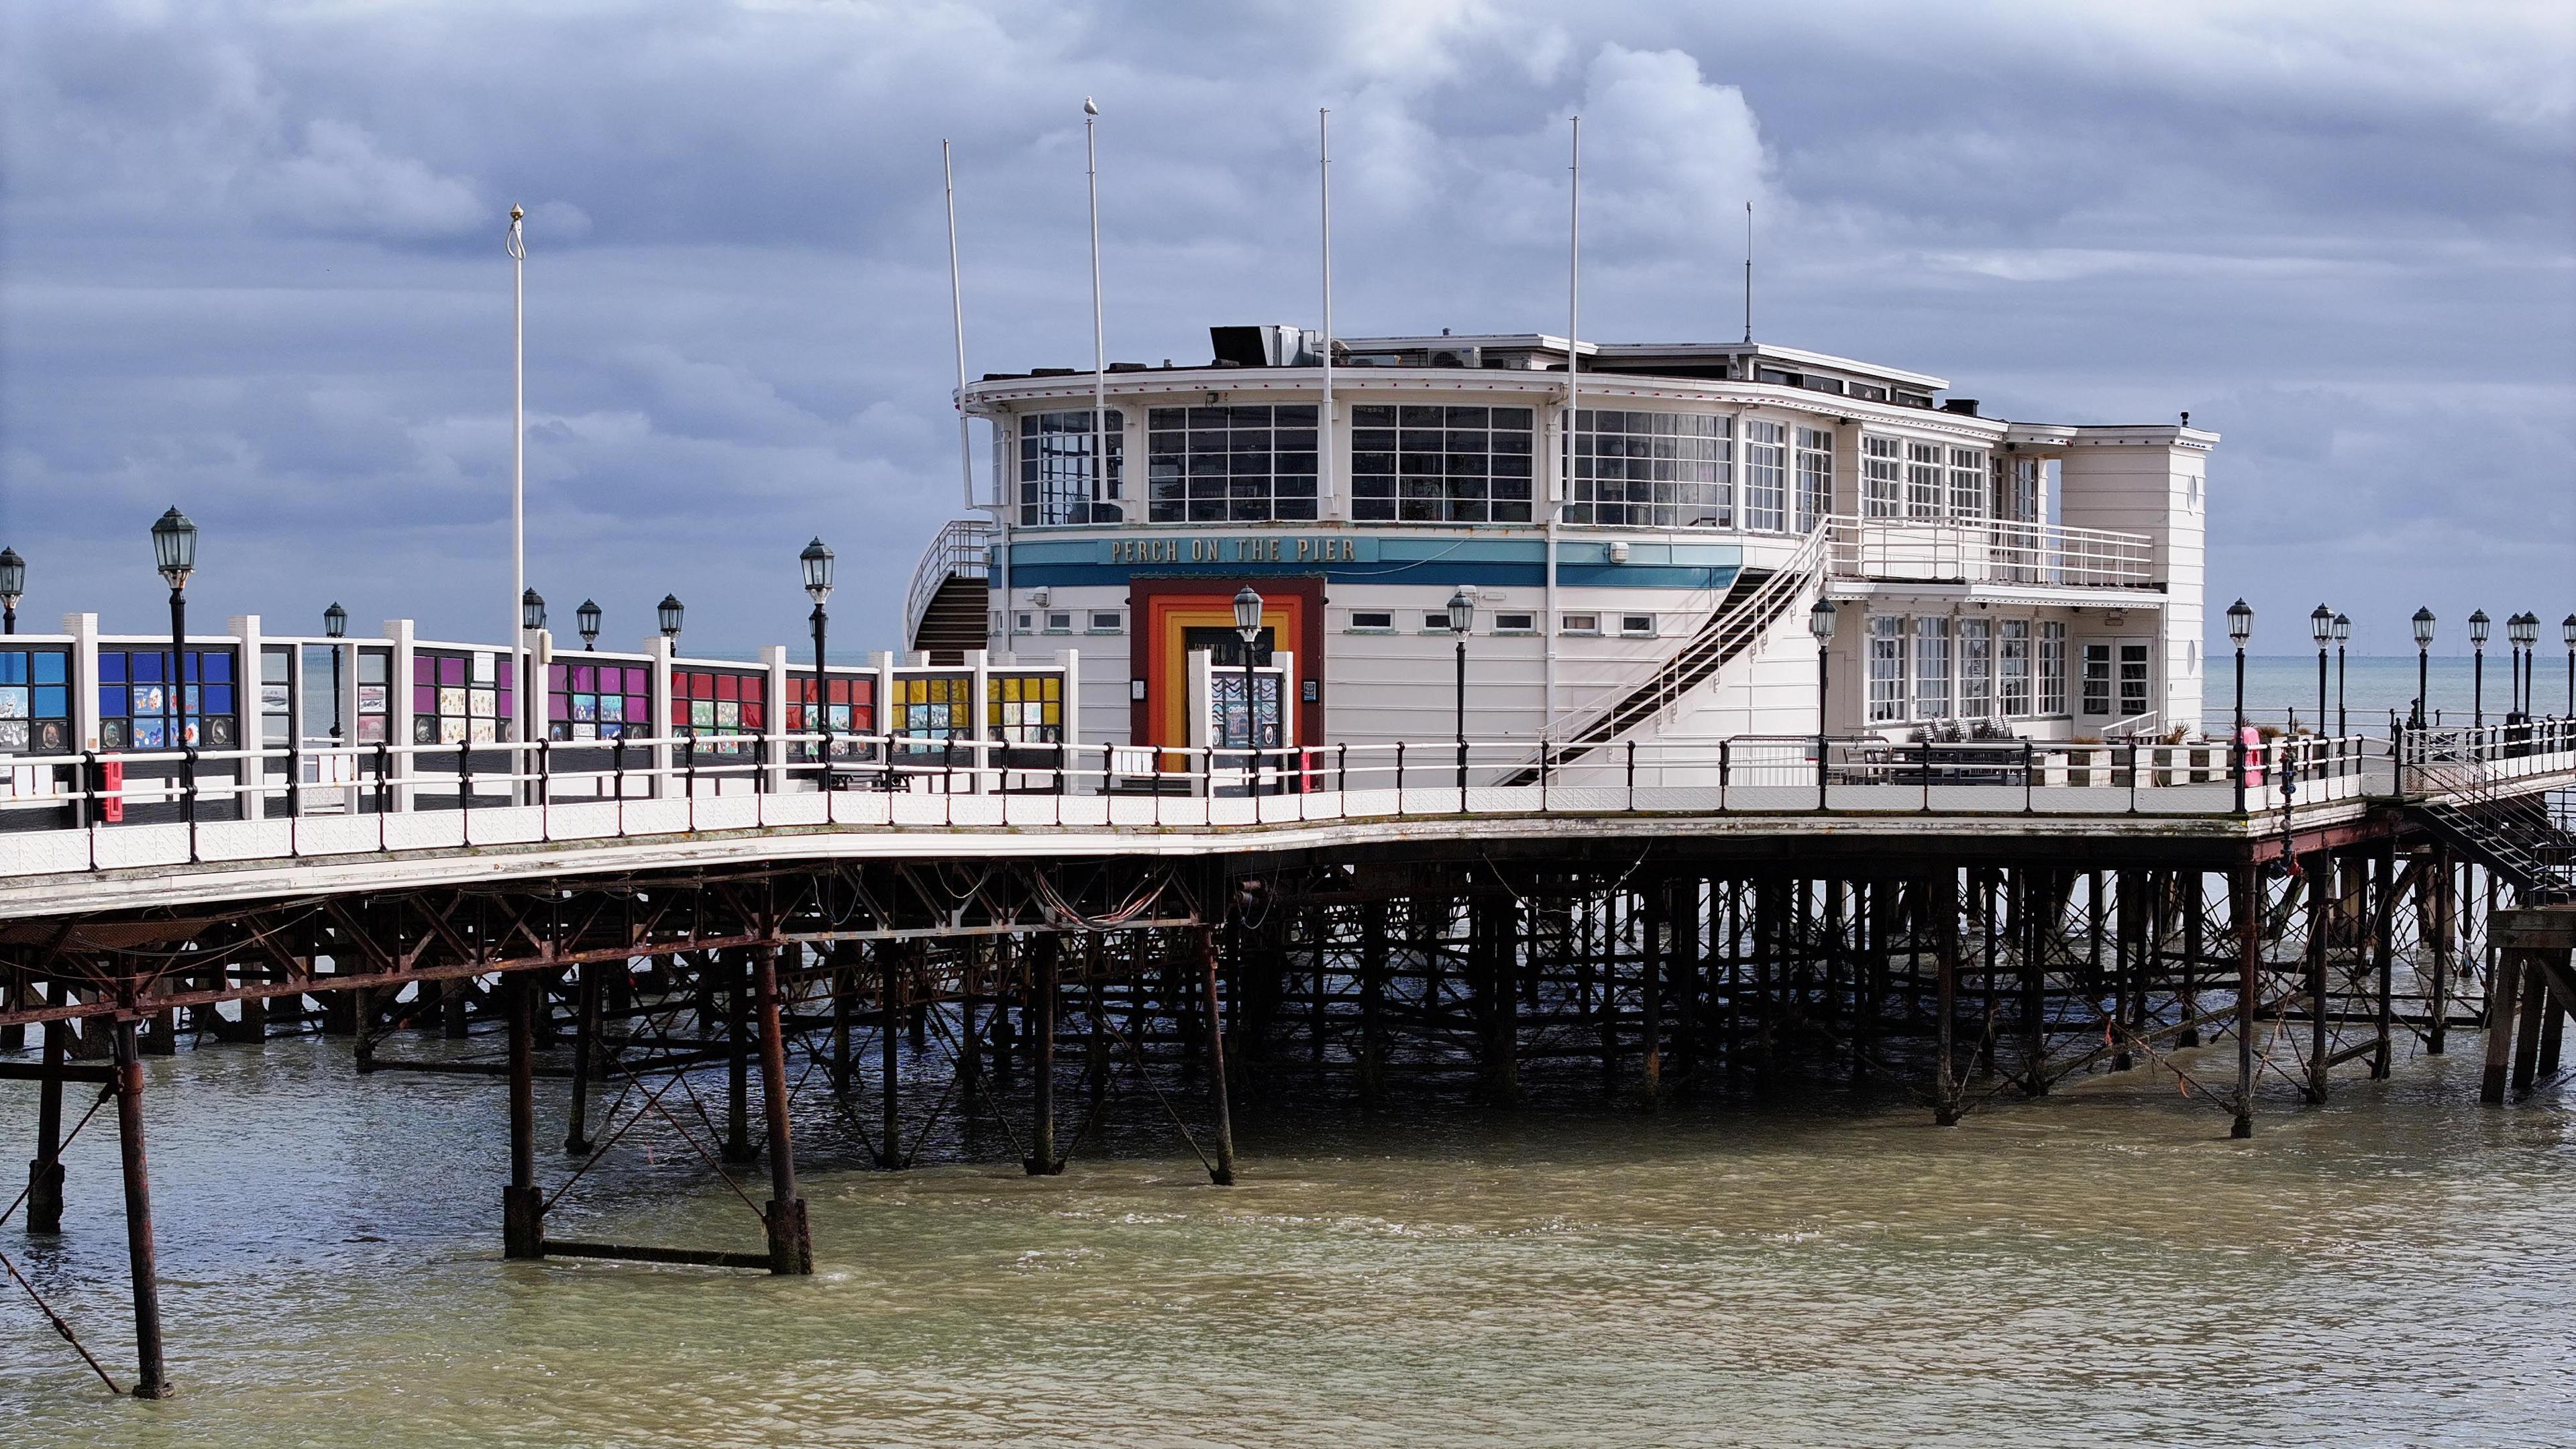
{"x":1573,"y":392}
{"x":1099,"y":339}
{"x":1324,"y":438}
{"x":957,"y":321}
{"x":516,"y":243}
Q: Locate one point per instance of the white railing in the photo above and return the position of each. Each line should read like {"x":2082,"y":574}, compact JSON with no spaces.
{"x":149,"y":810}
{"x":963,"y":550}
{"x":2136,"y":727}
{"x":1993,"y":551}
{"x":2456,"y":759}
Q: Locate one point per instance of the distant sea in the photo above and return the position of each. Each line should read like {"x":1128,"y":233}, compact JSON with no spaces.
{"x":2373,"y":685}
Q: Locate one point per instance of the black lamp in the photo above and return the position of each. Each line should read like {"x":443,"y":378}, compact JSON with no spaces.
{"x":2423,"y":669}
{"x":174,"y":553}
{"x":2567,"y":631}
{"x":2321,"y":627}
{"x":13,"y":587}
{"x":669,"y":612}
{"x":1820,"y":623}
{"x":1462,"y":617}
{"x":587,"y":617}
{"x":2342,"y":635}
{"x":1247,"y":623}
{"x":532,"y":610}
{"x":2240,"y":627}
{"x":816,"y":561}
{"x":2478,"y":626}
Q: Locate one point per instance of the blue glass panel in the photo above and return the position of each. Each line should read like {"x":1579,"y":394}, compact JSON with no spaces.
{"x":111,"y":700}
{"x":219,"y":698}
{"x":53,"y":701}
{"x":143,"y":668}
{"x":13,"y":668}
{"x":218,"y":666}
{"x":50,"y":668}
{"x":190,"y":660}
{"x":111,"y":666}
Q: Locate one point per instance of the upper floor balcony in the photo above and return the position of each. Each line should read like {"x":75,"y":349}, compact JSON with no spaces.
{"x":1986,"y":551}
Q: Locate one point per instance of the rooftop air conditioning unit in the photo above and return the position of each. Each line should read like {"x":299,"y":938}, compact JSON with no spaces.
{"x":1267,"y":346}
{"x":1458,"y":357}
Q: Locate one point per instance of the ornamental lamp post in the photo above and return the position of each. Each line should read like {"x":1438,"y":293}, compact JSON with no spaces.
{"x":2567,"y":631}
{"x":174,"y":553}
{"x":2321,"y":627}
{"x":586,"y":618}
{"x":1462,"y":617}
{"x":816,"y":562}
{"x":532,"y":610}
{"x":2240,"y":627}
{"x":2478,"y":626}
{"x":2342,"y":634}
{"x":669,"y":613}
{"x":1247,"y":624}
{"x":1820,"y":623}
{"x":335,"y":624}
{"x":13,"y":587}
{"x":2423,"y":668}
{"x":2524,"y":630}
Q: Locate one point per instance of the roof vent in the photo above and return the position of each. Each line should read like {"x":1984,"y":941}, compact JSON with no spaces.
{"x":1965,"y":407}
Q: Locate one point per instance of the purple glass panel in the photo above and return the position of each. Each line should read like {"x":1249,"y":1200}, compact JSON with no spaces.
{"x":638,"y":681}
{"x":506,"y":666}
{"x":636,"y":707}
{"x":585,"y":678}
{"x":451,"y":670}
{"x":558,"y":706}
{"x":555,"y":676}
{"x":424,"y":670}
{"x":424,"y":699}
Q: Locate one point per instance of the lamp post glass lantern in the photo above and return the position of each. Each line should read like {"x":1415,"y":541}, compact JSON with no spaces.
{"x":2524,"y":630}
{"x":1820,"y":623}
{"x":532,"y":610}
{"x":2478,"y":625}
{"x":2321,"y":628}
{"x":2423,"y":623}
{"x":2342,"y":635}
{"x":587,"y":619}
{"x":2240,"y":627}
{"x":669,"y":613}
{"x":815,"y":563}
{"x":13,"y":587}
{"x":174,"y":555}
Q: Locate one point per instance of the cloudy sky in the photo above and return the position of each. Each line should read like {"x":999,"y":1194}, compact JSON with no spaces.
{"x":253,"y":262}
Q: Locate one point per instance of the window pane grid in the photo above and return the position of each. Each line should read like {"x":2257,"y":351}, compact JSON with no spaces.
{"x":1653,"y":470}
{"x":1238,"y":464}
{"x":1058,"y":479}
{"x":1441,"y":464}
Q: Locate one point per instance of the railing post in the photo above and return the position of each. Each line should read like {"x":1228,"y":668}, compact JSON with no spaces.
{"x":545,"y":790}
{"x":188,"y":797}
{"x":465,"y":792}
{"x":2029,"y":778}
{"x":1820,"y":770}
{"x":617,"y":779}
{"x":1342,"y":770}
{"x":2133,"y":777}
{"x":1632,"y":774}
{"x":1725,"y":767}
{"x":1926,"y":773}
{"x":689,"y":774}
{"x":1399,"y":777}
{"x":2236,"y":765}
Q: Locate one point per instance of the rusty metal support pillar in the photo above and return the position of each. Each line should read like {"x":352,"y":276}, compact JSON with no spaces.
{"x":2502,"y":992}
{"x":585,"y":1036}
{"x":523,"y":1233}
{"x":1945,"y":1098}
{"x":2242,"y":891}
{"x":2383,"y":958}
{"x":1372,"y":1063}
{"x":1042,"y":1160}
{"x":2446,"y":936}
{"x":889,"y":1047}
{"x":791,"y":1243}
{"x":149,"y":1382}
{"x":45,"y":1171}
{"x":1650,"y":990}
{"x":2321,"y":880}
{"x":1222,"y":1172}
{"x":738,"y":1146}
{"x":2194,"y":900}
{"x":2536,"y":1005}
{"x":844,"y":981}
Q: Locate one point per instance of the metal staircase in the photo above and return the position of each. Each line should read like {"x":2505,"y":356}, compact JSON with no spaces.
{"x":2512,"y":835}
{"x":944,"y":613}
{"x":1753,"y":605}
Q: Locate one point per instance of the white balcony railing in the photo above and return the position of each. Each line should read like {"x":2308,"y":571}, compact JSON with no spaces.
{"x":963,"y":549}
{"x":1916,"y":550}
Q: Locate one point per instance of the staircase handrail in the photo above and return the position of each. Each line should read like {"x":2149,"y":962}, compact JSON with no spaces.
{"x":963,"y":549}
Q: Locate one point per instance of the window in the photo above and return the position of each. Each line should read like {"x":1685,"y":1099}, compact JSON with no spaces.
{"x":1024,"y":623}
{"x":850,"y":710}
{"x":1968,"y":485}
{"x":1868,"y":392}
{"x":1976,"y":668}
{"x":2013,"y":656}
{"x":1886,"y":668}
{"x":1430,"y":464}
{"x":1766,"y":476}
{"x":1654,"y":470}
{"x":1025,"y":709}
{"x":138,"y":710}
{"x":1104,"y":621}
{"x":1931,"y":668}
{"x":1878,"y":476}
{"x":2133,"y":680}
{"x":36,"y":701}
{"x":1058,"y":482}
{"x":1372,"y":619}
{"x":375,"y":695}
{"x":1580,"y":623}
{"x":586,"y":700}
{"x":707,"y":705}
{"x":2097,"y":679}
{"x":276,"y":697}
{"x":1637,"y":625}
{"x":1060,"y":622}
{"x":934,"y":708}
{"x":1230,"y":464}
{"x":1815,"y":476}
{"x":1515,"y":623}
{"x":2052,"y":667}
{"x":1923,"y":480}
{"x":1435,"y":623}
{"x":458,"y":697}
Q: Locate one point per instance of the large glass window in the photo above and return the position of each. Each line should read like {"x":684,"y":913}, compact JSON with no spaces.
{"x":1246,"y":464}
{"x":1931,"y":668}
{"x":1025,"y":709}
{"x":1654,"y":470}
{"x":1766,"y":476}
{"x":1886,"y":667}
{"x":1976,"y":668}
{"x":35,"y":701}
{"x":2052,"y":667}
{"x":459,"y":697}
{"x":1968,"y":484}
{"x":717,"y":706}
{"x":588,"y":700}
{"x":1427,"y":464}
{"x":1923,"y":480}
{"x":2013,"y":655}
{"x":2097,"y":679}
{"x":1815,"y":476}
{"x":935,"y":707}
{"x":1058,"y":482}
{"x":138,"y":702}
{"x":1880,"y":482}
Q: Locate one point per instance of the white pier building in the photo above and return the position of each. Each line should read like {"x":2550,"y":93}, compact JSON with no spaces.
{"x":1657,"y":579}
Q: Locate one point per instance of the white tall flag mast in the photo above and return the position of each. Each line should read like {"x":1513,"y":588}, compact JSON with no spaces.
{"x":516,"y":244}
{"x":957,"y":322}
{"x":1324,"y":181}
{"x":1099,"y":338}
{"x":1573,"y":388}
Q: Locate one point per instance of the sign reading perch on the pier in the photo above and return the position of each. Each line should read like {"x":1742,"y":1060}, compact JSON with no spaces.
{"x":1268,"y":548}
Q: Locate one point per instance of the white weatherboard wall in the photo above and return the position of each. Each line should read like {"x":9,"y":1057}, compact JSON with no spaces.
{"x":2152,"y":481}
